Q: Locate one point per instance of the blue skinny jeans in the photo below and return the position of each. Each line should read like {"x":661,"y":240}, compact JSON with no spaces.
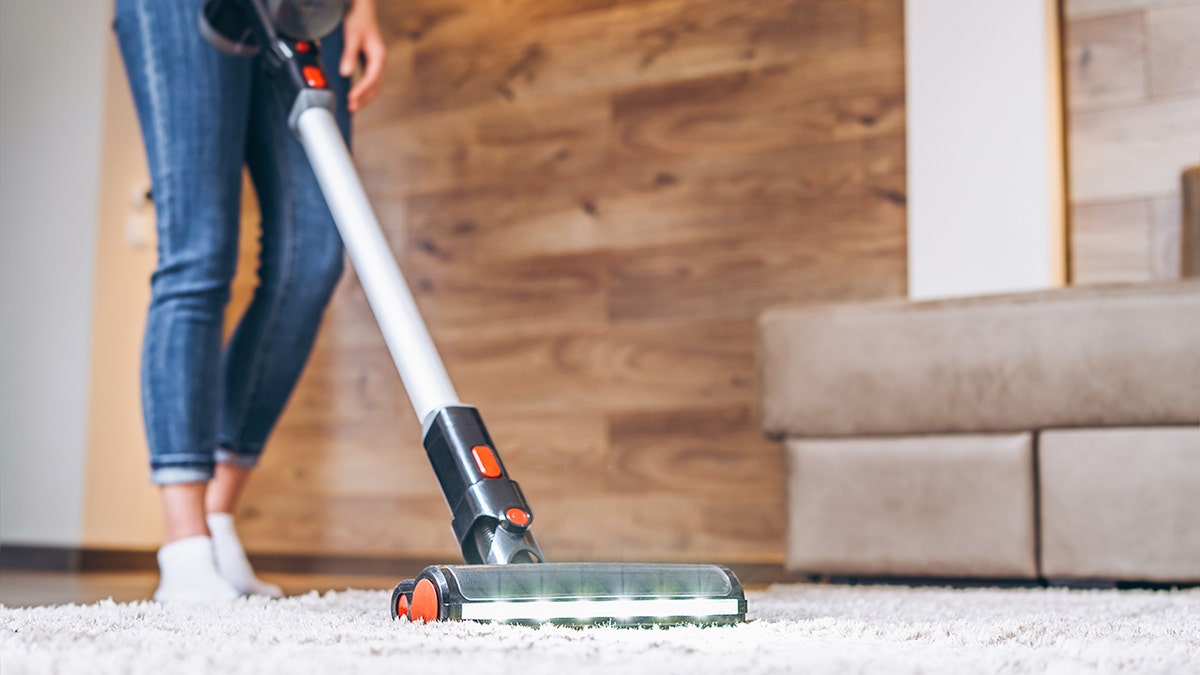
{"x":203,"y":117}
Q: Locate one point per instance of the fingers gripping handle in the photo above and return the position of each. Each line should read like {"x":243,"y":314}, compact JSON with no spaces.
{"x":412,"y":349}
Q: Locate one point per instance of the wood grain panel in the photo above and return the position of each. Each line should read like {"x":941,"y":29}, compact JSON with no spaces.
{"x":1106,"y":61}
{"x":561,"y":455}
{"x":282,"y":523}
{"x":712,"y":115}
{"x":533,"y":12}
{"x":1173,"y":34}
{"x":1133,"y":127}
{"x":500,"y":296}
{"x":1135,"y":152}
{"x":1111,"y":242}
{"x":353,"y":460}
{"x":592,"y":200}
{"x":883,"y":24}
{"x":518,"y":60}
{"x":490,"y":145}
{"x":1086,"y":8}
{"x":608,"y":527}
{"x":440,"y":21}
{"x":618,"y":368}
{"x":641,"y":203}
{"x":742,"y":278}
{"x":396,"y":97}
{"x":1166,"y":235}
{"x":624,"y":527}
{"x":689,"y":452}
{"x":481,"y":297}
{"x":652,"y":366}
{"x":538,"y":450}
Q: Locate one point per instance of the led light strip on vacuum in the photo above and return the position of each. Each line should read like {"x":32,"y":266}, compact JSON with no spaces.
{"x":583,"y":610}
{"x":574,"y":594}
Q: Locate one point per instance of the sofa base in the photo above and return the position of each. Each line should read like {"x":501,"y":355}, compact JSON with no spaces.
{"x":959,"y":506}
{"x":1121,"y":504}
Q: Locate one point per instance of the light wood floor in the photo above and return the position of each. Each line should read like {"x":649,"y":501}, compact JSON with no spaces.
{"x":21,"y":589}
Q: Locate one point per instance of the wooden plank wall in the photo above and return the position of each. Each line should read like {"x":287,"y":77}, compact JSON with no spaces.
{"x":1133,"y":99}
{"x":593,"y":201}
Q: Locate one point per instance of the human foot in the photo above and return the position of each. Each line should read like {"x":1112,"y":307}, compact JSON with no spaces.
{"x":231,"y":558}
{"x":188,"y":573}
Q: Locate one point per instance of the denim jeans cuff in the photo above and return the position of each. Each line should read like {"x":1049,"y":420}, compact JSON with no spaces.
{"x":242,"y":460}
{"x":174,"y":475}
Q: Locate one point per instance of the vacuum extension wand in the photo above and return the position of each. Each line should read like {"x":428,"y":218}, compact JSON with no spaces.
{"x":491,"y":518}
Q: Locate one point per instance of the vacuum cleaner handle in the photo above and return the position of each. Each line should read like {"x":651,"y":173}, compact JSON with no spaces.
{"x":416,"y":358}
{"x":491,"y":517}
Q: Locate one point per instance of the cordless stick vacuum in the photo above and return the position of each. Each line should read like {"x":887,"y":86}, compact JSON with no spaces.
{"x":491,"y":517}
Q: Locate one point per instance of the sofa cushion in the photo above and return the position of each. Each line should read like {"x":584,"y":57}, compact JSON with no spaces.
{"x":937,"y":506}
{"x":1077,"y":357}
{"x":1121,"y":504}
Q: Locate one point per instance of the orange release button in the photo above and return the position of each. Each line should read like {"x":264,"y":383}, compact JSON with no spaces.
{"x":485,"y":461}
{"x":314,"y":77}
{"x":517,"y":516}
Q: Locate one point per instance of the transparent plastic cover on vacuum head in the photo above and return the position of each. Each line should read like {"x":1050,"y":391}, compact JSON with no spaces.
{"x":561,"y":581}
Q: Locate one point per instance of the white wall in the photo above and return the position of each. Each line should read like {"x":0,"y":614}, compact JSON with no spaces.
{"x":51,"y":98}
{"x":120,"y":508}
{"x":985,"y":181}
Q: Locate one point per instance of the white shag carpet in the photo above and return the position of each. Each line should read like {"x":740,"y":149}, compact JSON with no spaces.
{"x":795,"y":629}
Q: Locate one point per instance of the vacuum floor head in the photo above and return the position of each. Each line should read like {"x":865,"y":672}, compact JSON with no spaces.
{"x":573,"y":594}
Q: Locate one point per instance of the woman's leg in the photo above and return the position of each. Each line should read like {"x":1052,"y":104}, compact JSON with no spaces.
{"x":193,"y":107}
{"x":301,"y":262}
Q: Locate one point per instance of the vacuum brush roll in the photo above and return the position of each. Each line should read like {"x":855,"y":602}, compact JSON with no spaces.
{"x":573,"y":594}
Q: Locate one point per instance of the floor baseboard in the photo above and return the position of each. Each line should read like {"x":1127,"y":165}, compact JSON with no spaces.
{"x":42,"y":558}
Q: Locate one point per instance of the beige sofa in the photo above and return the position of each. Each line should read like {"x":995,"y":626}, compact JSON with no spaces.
{"x":1052,"y":434}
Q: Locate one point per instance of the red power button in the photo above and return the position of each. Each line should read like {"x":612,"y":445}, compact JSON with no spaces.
{"x":314,"y":77}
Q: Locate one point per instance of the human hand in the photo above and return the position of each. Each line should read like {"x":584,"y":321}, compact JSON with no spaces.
{"x":362,"y":36}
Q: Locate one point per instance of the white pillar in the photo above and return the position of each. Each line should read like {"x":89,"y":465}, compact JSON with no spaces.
{"x":52,"y":57}
{"x":985,"y":176}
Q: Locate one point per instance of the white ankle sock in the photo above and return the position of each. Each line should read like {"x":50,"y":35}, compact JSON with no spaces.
{"x":188,"y":573}
{"x":231,"y":558}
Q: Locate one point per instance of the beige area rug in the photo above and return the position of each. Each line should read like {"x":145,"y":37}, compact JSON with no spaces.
{"x":795,"y":629}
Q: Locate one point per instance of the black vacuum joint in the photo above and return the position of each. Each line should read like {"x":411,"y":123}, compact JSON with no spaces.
{"x":491,"y":518}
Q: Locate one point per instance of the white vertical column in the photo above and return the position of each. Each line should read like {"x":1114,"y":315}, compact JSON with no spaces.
{"x":52,"y":67}
{"x":985,"y":176}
